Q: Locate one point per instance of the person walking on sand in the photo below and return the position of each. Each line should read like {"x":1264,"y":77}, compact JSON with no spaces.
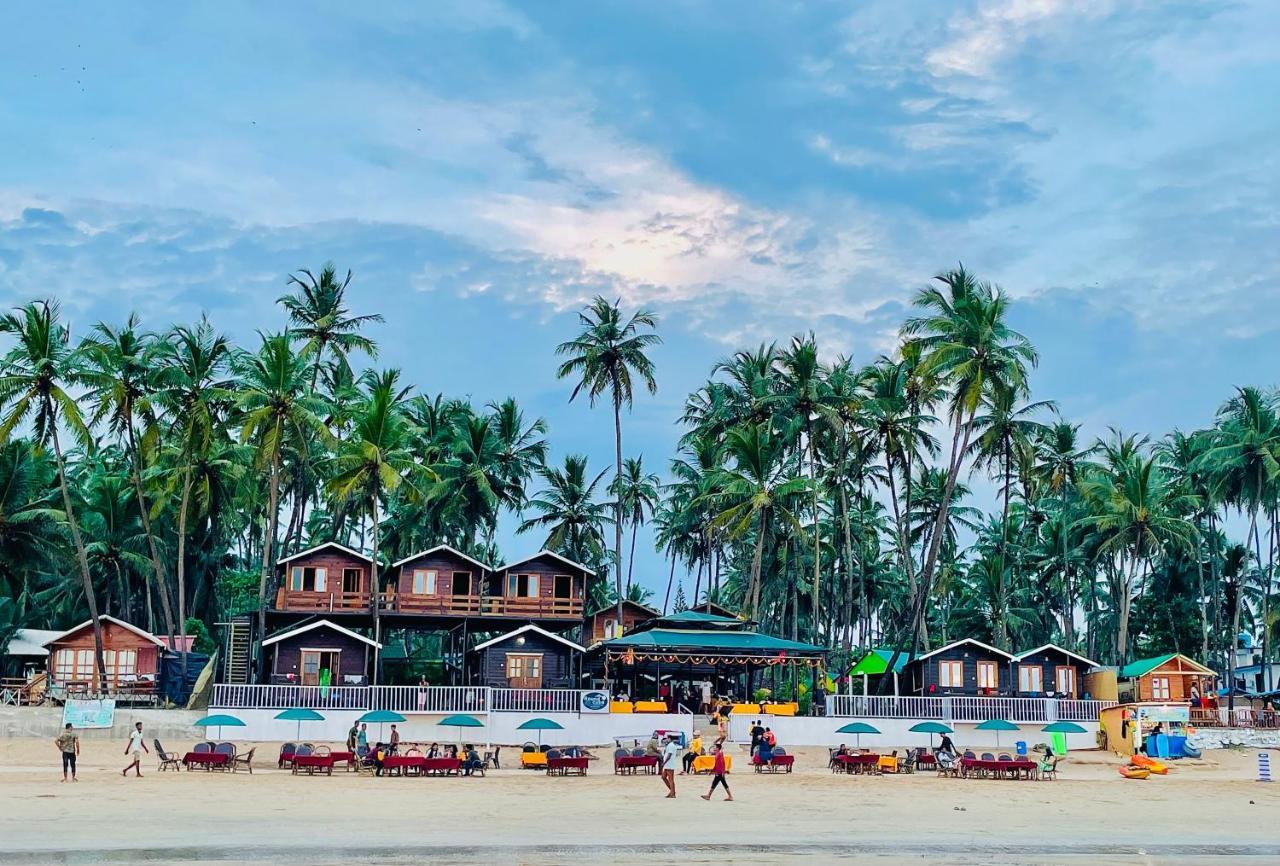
{"x":69,"y":745}
{"x":362,"y":738}
{"x":670,"y":760}
{"x":717,"y":778}
{"x":137,"y":745}
{"x":352,"y":735}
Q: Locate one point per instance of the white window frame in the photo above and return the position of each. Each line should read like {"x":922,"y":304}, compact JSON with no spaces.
{"x":1030,"y":678}
{"x":946,"y":669}
{"x":424,"y":581}
{"x":1161,"y":692}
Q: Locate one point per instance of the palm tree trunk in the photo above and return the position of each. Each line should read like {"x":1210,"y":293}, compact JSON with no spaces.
{"x":631,"y":555}
{"x":377,"y":595}
{"x":848,"y":564}
{"x":671,"y":578}
{"x":81,"y":557}
{"x":156,"y":567}
{"x":617,"y":503}
{"x":753,"y":591}
{"x":182,"y":563}
{"x":1203,"y":605}
{"x":268,"y":543}
{"x":817,"y":535}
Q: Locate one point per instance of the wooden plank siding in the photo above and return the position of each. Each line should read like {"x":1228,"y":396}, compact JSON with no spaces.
{"x":286,"y":660}
{"x":488,"y":667}
{"x":334,"y":597}
{"x":1049,"y":661}
{"x":924,"y":674}
{"x":115,"y":638}
{"x":632,"y":614}
{"x":445,"y":599}
{"x":1180,"y":677}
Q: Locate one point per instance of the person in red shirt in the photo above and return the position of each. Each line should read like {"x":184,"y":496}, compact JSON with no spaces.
{"x":718,"y":770}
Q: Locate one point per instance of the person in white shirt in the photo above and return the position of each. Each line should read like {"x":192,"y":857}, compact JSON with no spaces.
{"x":670,"y":761}
{"x":137,"y":745}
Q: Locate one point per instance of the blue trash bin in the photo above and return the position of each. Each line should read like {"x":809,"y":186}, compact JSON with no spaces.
{"x":1021,"y":747}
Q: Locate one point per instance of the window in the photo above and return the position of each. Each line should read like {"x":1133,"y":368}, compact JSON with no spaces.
{"x":988,"y":675}
{"x":951,"y":675}
{"x":64,"y":665}
{"x":462,"y":583}
{"x":351,"y":580}
{"x":610,"y":629}
{"x":424,"y":582}
{"x":522,"y":586}
{"x":1159,"y":688}
{"x":84,"y":664}
{"x":1064,"y":678}
{"x":306,"y":579}
{"x":1030,"y":678}
{"x":524,"y":667}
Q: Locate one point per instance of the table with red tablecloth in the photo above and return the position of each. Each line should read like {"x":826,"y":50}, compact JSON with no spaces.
{"x":441,"y":766}
{"x":349,"y":758}
{"x":978,"y":766}
{"x":778,"y":763}
{"x":208,"y":760}
{"x":566,"y":766}
{"x":313,"y":764}
{"x":403,"y":764}
{"x":631,"y":763}
{"x":858,"y":763}
{"x":924,"y":759}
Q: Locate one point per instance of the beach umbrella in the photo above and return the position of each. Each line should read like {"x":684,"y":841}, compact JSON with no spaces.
{"x":299,"y":715}
{"x":858,"y":729}
{"x":540,"y":725}
{"x":461,"y":721}
{"x":997,"y":725}
{"x":380,"y":718}
{"x":930,"y":728}
{"x":1064,"y":728}
{"x":219,"y":722}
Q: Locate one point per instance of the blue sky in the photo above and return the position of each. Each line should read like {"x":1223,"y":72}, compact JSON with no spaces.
{"x":748,"y":170}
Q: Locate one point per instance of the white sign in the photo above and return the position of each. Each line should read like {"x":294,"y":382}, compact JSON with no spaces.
{"x":89,"y":714}
{"x":593,"y":701}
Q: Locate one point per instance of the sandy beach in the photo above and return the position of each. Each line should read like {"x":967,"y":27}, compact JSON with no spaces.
{"x":1205,"y":811}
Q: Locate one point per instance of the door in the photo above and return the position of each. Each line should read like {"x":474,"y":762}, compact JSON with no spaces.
{"x":314,"y":661}
{"x":1065,"y":680}
{"x":524,"y":670}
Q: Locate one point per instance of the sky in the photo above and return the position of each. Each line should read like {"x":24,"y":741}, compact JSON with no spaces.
{"x":747,"y":170}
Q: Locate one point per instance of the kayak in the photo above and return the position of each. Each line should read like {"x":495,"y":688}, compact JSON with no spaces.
{"x":1151,"y":764}
{"x":1135,"y":772}
{"x":1190,"y":751}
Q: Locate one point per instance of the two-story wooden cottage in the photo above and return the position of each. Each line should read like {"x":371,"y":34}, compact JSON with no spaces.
{"x":965,"y":667}
{"x":320,"y":653}
{"x":328,"y":578}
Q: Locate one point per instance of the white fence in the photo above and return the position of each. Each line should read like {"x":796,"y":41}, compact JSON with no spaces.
{"x":433,"y":699}
{"x":965,"y":709}
{"x":400,"y":699}
{"x":536,"y":700}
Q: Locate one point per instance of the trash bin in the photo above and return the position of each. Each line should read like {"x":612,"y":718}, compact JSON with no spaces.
{"x":1021,"y":747}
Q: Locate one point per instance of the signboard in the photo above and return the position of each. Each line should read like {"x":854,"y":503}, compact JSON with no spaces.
{"x":596,"y":701}
{"x":1167,"y":714}
{"x":89,"y":714}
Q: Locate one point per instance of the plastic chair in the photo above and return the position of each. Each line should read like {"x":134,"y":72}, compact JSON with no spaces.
{"x":202,"y":748}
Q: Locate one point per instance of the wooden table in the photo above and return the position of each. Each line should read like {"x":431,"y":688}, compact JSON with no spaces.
{"x":859,"y":763}
{"x":313,"y":763}
{"x":567,"y":766}
{"x":979,"y":767}
{"x":707,"y":763}
{"x":208,"y":760}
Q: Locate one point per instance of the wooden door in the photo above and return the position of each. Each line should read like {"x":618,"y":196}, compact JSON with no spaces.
{"x":524,"y":670}
{"x":314,"y":661}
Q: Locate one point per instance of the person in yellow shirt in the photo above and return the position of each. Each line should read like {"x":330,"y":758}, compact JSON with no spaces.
{"x":695,"y":749}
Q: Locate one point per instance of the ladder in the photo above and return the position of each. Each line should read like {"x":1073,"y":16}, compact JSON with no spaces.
{"x":239,"y":648}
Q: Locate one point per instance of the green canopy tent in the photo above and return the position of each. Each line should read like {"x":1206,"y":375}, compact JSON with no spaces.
{"x":997,"y":725}
{"x":380,"y":718}
{"x":299,"y":715}
{"x":540,"y":725}
{"x":858,"y":729}
{"x":461,"y":721}
{"x":219,"y":722}
{"x":1058,"y":732}
{"x":930,"y":728}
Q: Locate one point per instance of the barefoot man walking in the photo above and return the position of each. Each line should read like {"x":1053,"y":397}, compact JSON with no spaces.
{"x":718,"y":778}
{"x":670,"y":760}
{"x":137,"y":745}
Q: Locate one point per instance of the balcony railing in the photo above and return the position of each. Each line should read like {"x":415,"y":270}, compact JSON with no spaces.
{"x":433,"y":699}
{"x":966,"y":709}
{"x":400,"y":699}
{"x":302,"y":600}
{"x":536,"y":700}
{"x":442,"y":605}
{"x":1241,"y":717}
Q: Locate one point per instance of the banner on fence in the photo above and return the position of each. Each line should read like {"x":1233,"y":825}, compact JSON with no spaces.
{"x":89,"y":713}
{"x":594,"y":702}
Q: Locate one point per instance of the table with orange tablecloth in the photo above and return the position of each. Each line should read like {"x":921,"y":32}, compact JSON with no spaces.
{"x":781,"y":709}
{"x":650,"y":707}
{"x":707,"y":763}
{"x":621,"y":707}
{"x":533,"y":759}
{"x":744,"y":709}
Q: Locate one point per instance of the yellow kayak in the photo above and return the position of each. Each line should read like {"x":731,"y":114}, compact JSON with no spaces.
{"x":1135,"y":772}
{"x":1151,"y":764}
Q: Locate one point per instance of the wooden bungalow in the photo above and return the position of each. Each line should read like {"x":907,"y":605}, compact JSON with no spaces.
{"x":131,"y":658}
{"x":441,"y":580}
{"x":328,"y":578}
{"x":543,"y":586}
{"x":527,"y":658}
{"x":1050,"y":671}
{"x":964,"y":667}
{"x":1164,"y":678}
{"x":318,"y":653}
{"x":715,"y":609}
{"x":602,"y":624}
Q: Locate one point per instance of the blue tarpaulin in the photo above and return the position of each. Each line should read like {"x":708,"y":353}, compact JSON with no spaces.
{"x":172,"y":687}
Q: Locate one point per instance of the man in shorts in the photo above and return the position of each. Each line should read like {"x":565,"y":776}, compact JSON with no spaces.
{"x":69,"y":745}
{"x":670,"y":760}
{"x":137,"y":745}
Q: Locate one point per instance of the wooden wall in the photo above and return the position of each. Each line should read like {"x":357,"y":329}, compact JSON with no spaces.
{"x":924,"y":673}
{"x":444,"y":564}
{"x":488,"y":667}
{"x":1048,"y":660}
{"x":114,"y":637}
{"x":287,"y":654}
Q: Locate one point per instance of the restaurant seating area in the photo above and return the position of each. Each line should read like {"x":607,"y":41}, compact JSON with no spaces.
{"x":983,"y":766}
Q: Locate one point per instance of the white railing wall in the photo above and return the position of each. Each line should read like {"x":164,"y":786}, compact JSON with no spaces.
{"x":965,"y":709}
{"x":400,"y":699}
{"x":284,"y":697}
{"x":536,"y":700}
{"x":433,"y":699}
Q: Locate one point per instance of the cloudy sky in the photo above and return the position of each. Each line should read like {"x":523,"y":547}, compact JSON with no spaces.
{"x":748,"y":170}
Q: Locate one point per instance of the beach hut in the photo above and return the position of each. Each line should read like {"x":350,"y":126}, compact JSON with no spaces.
{"x":964,"y":667}
{"x":1167,"y":678}
{"x":602,"y":624}
{"x":1050,"y":671}
{"x":319,"y":653}
{"x":131,"y":657}
{"x":876,"y":664}
{"x":1125,"y":726}
{"x":527,"y":658}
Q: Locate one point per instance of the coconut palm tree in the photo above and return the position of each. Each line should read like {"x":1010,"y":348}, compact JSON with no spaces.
{"x":606,"y":358}
{"x":638,"y":491}
{"x":319,"y":318}
{"x":35,"y":376}
{"x":568,"y":511}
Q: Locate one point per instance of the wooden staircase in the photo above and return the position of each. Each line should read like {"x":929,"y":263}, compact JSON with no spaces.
{"x":20,"y":692}
{"x":239,"y":651}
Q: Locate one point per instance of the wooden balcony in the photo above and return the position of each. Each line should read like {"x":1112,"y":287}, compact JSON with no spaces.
{"x":431,"y":605}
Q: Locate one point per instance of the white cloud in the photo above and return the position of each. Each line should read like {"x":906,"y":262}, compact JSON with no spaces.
{"x":979,"y":42}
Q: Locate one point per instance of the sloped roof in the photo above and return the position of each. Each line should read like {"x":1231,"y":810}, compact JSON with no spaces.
{"x":690,"y":639}
{"x":876,"y":662}
{"x":312,"y":550}
{"x":445,"y":547}
{"x":30,"y":642}
{"x":1142,"y":667}
{"x":1053,"y":646}
{"x":627,"y":603}
{"x":107,"y":618}
{"x":294,"y":632}
{"x":522,"y":630}
{"x":553,"y":555}
{"x":957,"y":643}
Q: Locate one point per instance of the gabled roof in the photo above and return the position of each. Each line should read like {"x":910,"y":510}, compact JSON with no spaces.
{"x":688,"y":639}
{"x":294,"y":632}
{"x":712,"y":607}
{"x":553,"y":555}
{"x":522,"y":630}
{"x":957,"y":643}
{"x":1053,"y":646}
{"x":30,"y":642}
{"x":1142,"y":667}
{"x":107,"y":618}
{"x":876,"y":662}
{"x":312,"y":550}
{"x":626,"y":603}
{"x":444,"y":547}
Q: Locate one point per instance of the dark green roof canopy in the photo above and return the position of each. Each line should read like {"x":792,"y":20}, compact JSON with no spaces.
{"x":717,"y":640}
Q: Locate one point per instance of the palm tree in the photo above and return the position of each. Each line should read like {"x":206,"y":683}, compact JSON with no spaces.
{"x":521,"y":449}
{"x":34,"y":377}
{"x":120,"y":375}
{"x":377,"y":462}
{"x":638,"y":493}
{"x":279,"y":412}
{"x":29,"y":517}
{"x":318,"y":316}
{"x":569,"y":512}
{"x":605,"y":357}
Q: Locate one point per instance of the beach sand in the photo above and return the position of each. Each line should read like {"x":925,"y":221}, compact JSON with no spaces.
{"x":1209,"y":811}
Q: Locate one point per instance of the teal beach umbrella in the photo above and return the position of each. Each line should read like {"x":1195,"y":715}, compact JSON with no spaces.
{"x":930,"y":728}
{"x":461,"y":721}
{"x":997,"y":725}
{"x":380,"y":718}
{"x":219,"y":722}
{"x":858,"y":729}
{"x":541,"y":725}
{"x":300,"y":715}
{"x":1064,"y":728}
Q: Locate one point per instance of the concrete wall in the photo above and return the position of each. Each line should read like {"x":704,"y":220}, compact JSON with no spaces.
{"x":894,"y":733}
{"x":47,"y":722}
{"x":1219,"y":738}
{"x":586,"y":729}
